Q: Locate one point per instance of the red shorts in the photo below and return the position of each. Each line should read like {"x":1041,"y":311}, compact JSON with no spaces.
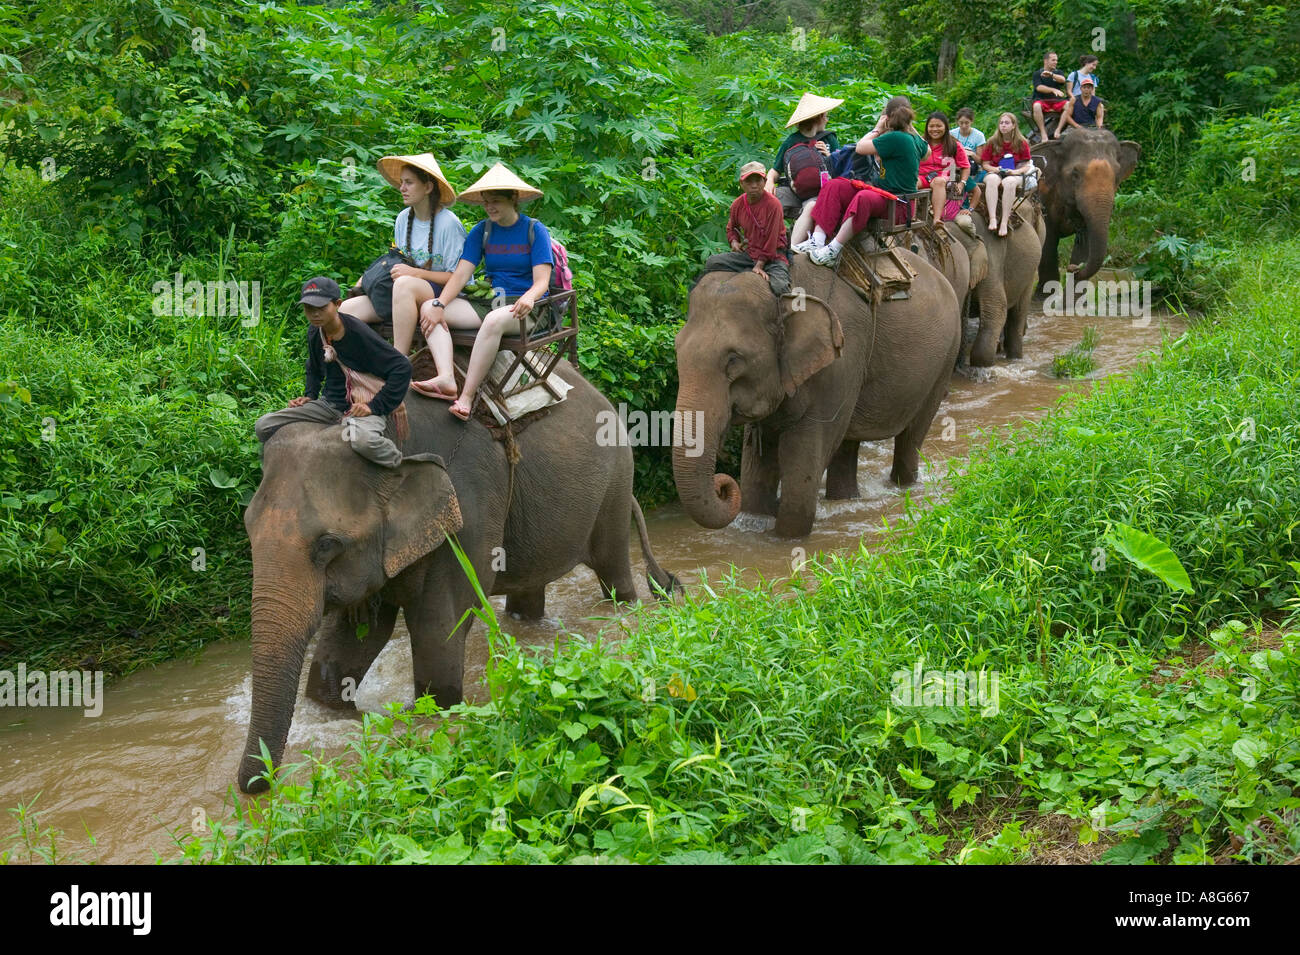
{"x":1051,"y":105}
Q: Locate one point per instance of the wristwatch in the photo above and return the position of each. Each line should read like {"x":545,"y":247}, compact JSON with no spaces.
{"x":437,"y":304}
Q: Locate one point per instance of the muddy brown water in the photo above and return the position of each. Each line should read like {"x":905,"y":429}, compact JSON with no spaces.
{"x":163,"y":752}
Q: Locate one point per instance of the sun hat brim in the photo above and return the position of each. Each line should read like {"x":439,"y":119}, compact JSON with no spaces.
{"x":500,"y":179}
{"x":390,"y":167}
{"x":810,"y":105}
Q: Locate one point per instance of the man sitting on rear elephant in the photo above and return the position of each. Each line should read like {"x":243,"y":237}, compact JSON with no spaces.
{"x":343,"y":354}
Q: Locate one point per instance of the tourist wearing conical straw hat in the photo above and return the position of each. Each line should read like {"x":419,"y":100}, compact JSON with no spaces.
{"x":809,"y":118}
{"x":516,"y":255}
{"x":428,"y":233}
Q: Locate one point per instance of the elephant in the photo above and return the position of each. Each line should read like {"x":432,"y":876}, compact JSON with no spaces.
{"x":1005,"y":295}
{"x":1077,"y":191}
{"x":964,"y":262}
{"x":809,"y":375}
{"x":338,"y":541}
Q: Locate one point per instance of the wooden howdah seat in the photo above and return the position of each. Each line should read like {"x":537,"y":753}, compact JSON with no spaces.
{"x":537,"y":354}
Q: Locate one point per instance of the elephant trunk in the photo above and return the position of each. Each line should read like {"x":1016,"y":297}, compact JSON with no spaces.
{"x":287,"y":606}
{"x":1096,"y":203}
{"x":712,"y":500}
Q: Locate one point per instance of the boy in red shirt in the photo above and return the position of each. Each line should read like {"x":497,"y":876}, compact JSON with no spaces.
{"x":756,"y":231}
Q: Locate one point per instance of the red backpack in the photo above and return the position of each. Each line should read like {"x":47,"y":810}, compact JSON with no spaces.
{"x":804,"y":166}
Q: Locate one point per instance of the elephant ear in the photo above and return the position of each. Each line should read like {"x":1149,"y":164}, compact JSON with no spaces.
{"x":813,"y":339}
{"x":420,"y":510}
{"x":1129,"y":153}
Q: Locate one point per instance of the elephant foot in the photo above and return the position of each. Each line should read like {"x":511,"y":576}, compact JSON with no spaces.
{"x":331,"y":688}
{"x":791,"y":526}
{"x":978,"y":375}
{"x":903,"y":477}
{"x":529,"y":605}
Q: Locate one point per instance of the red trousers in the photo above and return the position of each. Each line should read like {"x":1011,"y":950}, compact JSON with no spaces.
{"x":842,"y":198}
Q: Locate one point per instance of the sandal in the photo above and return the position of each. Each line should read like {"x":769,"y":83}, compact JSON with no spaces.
{"x":423,"y":388}
{"x":463,"y":415}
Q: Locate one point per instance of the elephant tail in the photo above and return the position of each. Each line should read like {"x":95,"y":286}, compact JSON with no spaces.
{"x":662,"y":584}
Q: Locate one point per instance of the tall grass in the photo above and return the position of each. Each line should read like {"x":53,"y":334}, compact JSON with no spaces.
{"x":763,"y":725}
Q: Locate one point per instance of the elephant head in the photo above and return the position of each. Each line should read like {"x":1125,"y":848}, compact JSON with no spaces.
{"x":1077,"y":190}
{"x":328,"y":530}
{"x":740,"y":355}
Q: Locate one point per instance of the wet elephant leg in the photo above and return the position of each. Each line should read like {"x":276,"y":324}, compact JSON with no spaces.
{"x":342,"y":660}
{"x":437,"y":642}
{"x":608,"y":545}
{"x":1017,"y":324}
{"x":1079,"y":251}
{"x":802,"y":462}
{"x":760,"y":470}
{"x":528,"y":604}
{"x":842,"y":473}
{"x":907,"y":445}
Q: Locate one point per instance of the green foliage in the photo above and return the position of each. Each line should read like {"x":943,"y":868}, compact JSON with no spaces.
{"x":245,"y":152}
{"x":758,"y":725}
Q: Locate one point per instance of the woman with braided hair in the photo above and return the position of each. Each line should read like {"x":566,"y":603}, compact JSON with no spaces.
{"x":428,"y":233}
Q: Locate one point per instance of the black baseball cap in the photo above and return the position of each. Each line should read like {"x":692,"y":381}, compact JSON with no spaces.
{"x":319,"y":291}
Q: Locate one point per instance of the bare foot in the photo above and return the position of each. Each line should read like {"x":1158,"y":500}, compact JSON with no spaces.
{"x":460,"y":409}
{"x":441,"y":387}
{"x":1003,"y":230}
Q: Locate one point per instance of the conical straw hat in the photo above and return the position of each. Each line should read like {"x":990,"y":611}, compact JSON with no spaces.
{"x":811,"y":105}
{"x":499,"y":178}
{"x":390,"y":167}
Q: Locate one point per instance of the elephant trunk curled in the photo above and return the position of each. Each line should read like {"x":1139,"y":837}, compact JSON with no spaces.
{"x":712,"y":500}
{"x":287,"y":607}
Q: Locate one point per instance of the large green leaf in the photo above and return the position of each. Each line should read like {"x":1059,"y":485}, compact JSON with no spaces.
{"x":1151,"y":554}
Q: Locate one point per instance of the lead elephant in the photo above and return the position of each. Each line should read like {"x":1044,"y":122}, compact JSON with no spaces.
{"x":1077,"y":190}
{"x":339,"y":539}
{"x":810,"y":375}
{"x":1006,"y":294}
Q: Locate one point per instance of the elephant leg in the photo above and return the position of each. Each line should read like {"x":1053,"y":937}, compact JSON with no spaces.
{"x":608,"y":547}
{"x":1079,"y":251}
{"x":528,"y":604}
{"x":993,"y":316}
{"x":842,"y":473}
{"x":437,"y":635}
{"x":802,"y":462}
{"x":1049,"y":266}
{"x":760,"y":470}
{"x":907,"y":444}
{"x":1017,"y":324}
{"x":342,"y":660}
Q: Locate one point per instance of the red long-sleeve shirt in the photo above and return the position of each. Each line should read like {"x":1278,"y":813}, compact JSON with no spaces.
{"x":758,"y":227}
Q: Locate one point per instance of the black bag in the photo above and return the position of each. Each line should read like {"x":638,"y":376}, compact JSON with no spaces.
{"x":377,"y":282}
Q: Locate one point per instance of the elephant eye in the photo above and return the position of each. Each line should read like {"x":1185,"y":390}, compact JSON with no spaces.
{"x":735,"y":364}
{"x":326,"y":548}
